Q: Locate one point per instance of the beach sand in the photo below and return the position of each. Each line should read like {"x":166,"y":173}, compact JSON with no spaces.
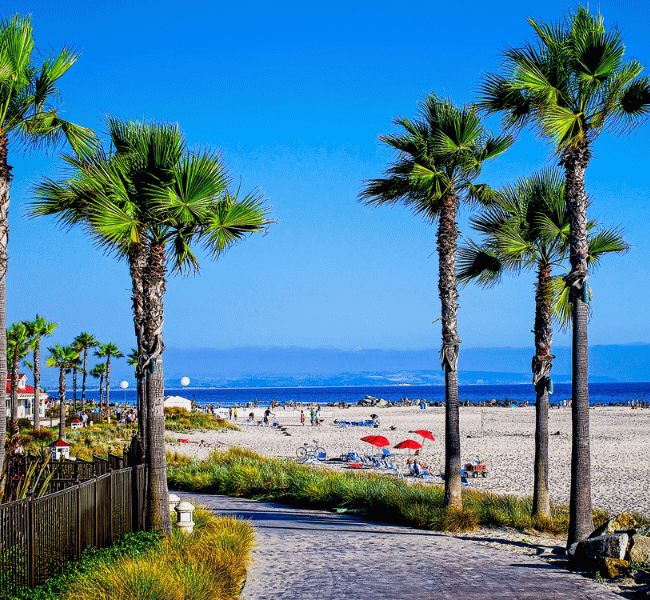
{"x":620,"y":446}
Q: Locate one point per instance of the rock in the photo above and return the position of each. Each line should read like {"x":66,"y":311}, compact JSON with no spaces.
{"x":640,"y":549}
{"x":381,"y":403}
{"x":606,"y":546}
{"x":622,"y":522}
{"x":610,"y":567}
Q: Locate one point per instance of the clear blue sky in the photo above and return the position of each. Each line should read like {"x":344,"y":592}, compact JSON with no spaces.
{"x":295,"y":95}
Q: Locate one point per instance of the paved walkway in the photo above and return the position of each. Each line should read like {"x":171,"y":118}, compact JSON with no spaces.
{"x":317,"y":555}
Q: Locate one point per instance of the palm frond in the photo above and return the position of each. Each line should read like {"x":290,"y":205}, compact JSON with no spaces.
{"x":478,"y":264}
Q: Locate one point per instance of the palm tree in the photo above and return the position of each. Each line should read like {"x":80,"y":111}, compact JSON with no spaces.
{"x":439,"y":156}
{"x":17,"y":349}
{"x":98,"y":372}
{"x":66,"y":359}
{"x":28,"y":117}
{"x":528,"y":229}
{"x":84,"y":341}
{"x":37,"y":330}
{"x":571,"y":84}
{"x":148,"y":200}
{"x":74,"y":376}
{"x":106,"y":351}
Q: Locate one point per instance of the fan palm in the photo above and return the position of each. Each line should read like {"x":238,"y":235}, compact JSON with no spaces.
{"x":38,"y":329}
{"x":107,"y":351}
{"x":439,"y":156}
{"x":28,"y":118}
{"x":66,"y":359}
{"x":98,"y":372}
{"x":569,"y":85}
{"x":17,"y":349}
{"x":148,"y":201}
{"x":527,"y":228}
{"x":84,"y":341}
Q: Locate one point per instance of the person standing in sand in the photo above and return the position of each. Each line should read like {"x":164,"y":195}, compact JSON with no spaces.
{"x":230,"y":414}
{"x":302,"y":418}
{"x":234,"y":412}
{"x":312,"y":414}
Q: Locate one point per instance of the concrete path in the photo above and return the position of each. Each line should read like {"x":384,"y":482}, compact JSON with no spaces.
{"x":317,"y":555}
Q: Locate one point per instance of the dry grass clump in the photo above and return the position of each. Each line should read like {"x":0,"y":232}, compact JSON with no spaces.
{"x":180,"y":420}
{"x":209,"y":564}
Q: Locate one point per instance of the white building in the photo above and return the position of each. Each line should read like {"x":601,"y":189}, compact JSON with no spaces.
{"x":25,"y":398}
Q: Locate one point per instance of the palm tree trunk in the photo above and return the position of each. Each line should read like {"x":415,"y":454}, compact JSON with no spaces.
{"x":74,"y":388}
{"x":62,"y":404}
{"x":5,"y":184}
{"x":101,"y":390}
{"x":15,"y":368}
{"x":154,"y":290}
{"x":541,"y":365}
{"x":137,"y":265}
{"x":447,"y":241}
{"x":37,"y":386}
{"x":575,"y":162}
{"x":83,"y":379}
{"x":108,"y":375}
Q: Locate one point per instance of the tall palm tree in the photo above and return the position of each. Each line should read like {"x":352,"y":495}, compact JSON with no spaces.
{"x":148,"y":200}
{"x":84,"y":341}
{"x":17,"y":349}
{"x":77,"y":348}
{"x":527,"y":228}
{"x":98,"y":372}
{"x":38,"y":329}
{"x":439,"y":156}
{"x":106,"y":351}
{"x":66,"y":359}
{"x":569,"y":85}
{"x":28,"y":118}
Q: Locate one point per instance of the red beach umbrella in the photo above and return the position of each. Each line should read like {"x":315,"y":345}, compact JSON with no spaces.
{"x":376,"y":440}
{"x":410,"y":444}
{"x":425,"y":434}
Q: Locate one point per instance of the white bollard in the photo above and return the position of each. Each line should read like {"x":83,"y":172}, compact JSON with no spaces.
{"x":184,"y":511}
{"x":173,"y":501}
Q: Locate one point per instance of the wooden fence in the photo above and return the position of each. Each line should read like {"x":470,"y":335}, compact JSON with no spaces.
{"x":39,"y":536}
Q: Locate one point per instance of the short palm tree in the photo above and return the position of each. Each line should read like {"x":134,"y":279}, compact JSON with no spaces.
{"x":569,"y":85}
{"x":28,"y":118}
{"x":439,"y":156}
{"x":107,"y":351}
{"x":66,"y":359}
{"x":98,"y":372}
{"x":84,"y":341}
{"x":527,"y":229}
{"x":149,"y":200}
{"x":38,"y":329}
{"x":17,"y":349}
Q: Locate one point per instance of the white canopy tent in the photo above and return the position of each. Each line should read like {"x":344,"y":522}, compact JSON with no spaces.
{"x":177,"y":401}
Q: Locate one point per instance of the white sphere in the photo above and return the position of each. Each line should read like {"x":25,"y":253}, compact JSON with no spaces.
{"x":185,"y":381}
{"x":124,"y":385}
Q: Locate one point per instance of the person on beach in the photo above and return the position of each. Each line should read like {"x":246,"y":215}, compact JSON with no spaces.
{"x":312,"y":414}
{"x":318,"y":415}
{"x":230,"y":414}
{"x":267,"y":413}
{"x":302,"y":418}
{"x":234,"y":412}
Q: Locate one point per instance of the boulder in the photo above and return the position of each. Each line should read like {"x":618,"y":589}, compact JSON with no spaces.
{"x":640,"y":549}
{"x":382,"y":403}
{"x":605,"y":546}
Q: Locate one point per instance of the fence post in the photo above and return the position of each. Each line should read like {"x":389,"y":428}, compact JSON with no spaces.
{"x":31,"y":542}
{"x":96,"y":518}
{"x":78,"y":536}
{"x":110,"y":504}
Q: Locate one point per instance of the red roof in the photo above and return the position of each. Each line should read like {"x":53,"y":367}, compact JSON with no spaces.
{"x":59,"y":443}
{"x":76,"y":421}
{"x":28,"y":388}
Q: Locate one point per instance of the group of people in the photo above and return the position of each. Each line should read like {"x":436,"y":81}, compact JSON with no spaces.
{"x":417,"y":468}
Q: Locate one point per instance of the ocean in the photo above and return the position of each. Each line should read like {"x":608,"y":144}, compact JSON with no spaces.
{"x":599,"y":393}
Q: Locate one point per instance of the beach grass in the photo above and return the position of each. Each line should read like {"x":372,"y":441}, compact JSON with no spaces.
{"x":207,"y":564}
{"x":378,"y":497}
{"x":182,"y":421}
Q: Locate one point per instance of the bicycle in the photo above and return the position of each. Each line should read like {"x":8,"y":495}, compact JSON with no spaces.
{"x":308,"y":451}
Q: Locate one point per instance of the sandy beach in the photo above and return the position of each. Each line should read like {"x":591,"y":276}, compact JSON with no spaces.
{"x":502,"y":437}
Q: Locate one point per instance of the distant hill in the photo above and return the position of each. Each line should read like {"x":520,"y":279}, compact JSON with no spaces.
{"x":250,"y":367}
